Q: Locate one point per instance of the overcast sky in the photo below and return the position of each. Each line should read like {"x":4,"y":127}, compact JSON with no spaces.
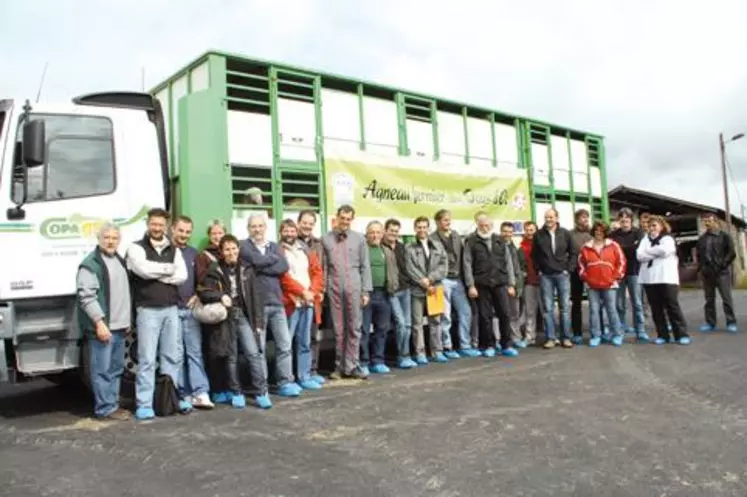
{"x":660,"y":79}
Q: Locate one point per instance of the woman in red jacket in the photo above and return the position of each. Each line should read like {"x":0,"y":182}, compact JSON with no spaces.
{"x":601,"y":264}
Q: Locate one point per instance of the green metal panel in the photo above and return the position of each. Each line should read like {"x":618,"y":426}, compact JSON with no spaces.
{"x":205,"y":182}
{"x":491,"y":117}
{"x":570,"y":170}
{"x":362,"y":121}
{"x":404,"y":148}
{"x":466,"y":136}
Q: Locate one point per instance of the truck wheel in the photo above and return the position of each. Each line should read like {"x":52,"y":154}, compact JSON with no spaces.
{"x":127,"y":390}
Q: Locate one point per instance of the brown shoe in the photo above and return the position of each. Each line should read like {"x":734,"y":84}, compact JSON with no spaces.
{"x":335,"y":375}
{"x":567,"y":344}
{"x":549,"y":344}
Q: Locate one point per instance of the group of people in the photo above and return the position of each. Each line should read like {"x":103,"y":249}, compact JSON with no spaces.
{"x":196,"y":311}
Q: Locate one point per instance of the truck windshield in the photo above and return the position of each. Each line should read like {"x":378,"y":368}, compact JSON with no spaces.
{"x":80,"y":159}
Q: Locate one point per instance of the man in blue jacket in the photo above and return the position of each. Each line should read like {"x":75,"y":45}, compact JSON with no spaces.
{"x":264,"y":256}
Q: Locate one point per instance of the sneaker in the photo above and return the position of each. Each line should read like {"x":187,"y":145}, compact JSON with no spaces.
{"x":238,"y":401}
{"x":117,"y":415}
{"x":685,"y":341}
{"x":567,"y":344}
{"x":421,"y":360}
{"x":510,"y":352}
{"x":549,"y":344}
{"x":365,"y":370}
{"x":643,"y":337}
{"x":630,"y":330}
{"x":318,"y":379}
{"x":660,"y":341}
{"x":221,"y":398}
{"x":732,"y":328}
{"x":452,"y":354}
{"x":406,"y":363}
{"x":185,"y":406}
{"x":289,"y":390}
{"x":577,"y":339}
{"x":359,"y":374}
{"x":202,"y":401}
{"x":440,"y":358}
{"x":489,"y":353}
{"x":380,"y":369}
{"x":469,"y":353}
{"x":310,"y":385}
{"x":594,"y":342}
{"x":617,"y":340}
{"x":707,"y":328}
{"x":263,"y":401}
{"x":144,"y":413}
{"x":335,"y":375}
{"x":521,"y":344}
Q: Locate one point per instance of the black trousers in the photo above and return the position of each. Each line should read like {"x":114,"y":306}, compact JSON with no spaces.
{"x":722,"y":283}
{"x":493,"y":301}
{"x":665,"y":304}
{"x":577,"y":298}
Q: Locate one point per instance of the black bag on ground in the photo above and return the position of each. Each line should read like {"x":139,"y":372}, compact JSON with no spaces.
{"x":166,"y":398}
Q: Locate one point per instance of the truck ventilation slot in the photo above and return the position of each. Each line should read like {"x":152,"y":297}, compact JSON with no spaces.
{"x":592,"y":152}
{"x":295,"y":86}
{"x":418,"y":109}
{"x":252,"y":186}
{"x":247,"y":87}
{"x":300,"y":190}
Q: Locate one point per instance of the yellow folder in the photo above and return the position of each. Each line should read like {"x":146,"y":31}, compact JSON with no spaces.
{"x":435,"y":301}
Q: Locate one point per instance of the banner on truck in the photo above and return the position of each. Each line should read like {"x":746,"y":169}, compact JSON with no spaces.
{"x":382,"y":191}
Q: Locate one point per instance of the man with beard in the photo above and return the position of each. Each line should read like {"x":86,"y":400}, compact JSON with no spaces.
{"x":491,"y":279}
{"x":349,"y":288}
{"x":194,"y":383}
{"x":306,"y":224}
{"x":302,"y":288}
{"x":104,"y":317}
{"x":269,"y":265}
{"x":157,"y":269}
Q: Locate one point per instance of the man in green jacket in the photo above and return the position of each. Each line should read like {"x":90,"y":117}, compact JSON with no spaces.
{"x":104,"y":317}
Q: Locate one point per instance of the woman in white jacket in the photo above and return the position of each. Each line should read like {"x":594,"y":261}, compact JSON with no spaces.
{"x":660,"y":278}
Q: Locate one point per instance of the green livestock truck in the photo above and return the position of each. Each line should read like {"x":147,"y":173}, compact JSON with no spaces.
{"x":229,"y":136}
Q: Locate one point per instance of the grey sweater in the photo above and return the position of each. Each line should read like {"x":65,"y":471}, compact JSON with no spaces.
{"x":119,"y":294}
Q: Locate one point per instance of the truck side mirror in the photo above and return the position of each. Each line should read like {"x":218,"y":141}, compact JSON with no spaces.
{"x":34,"y":143}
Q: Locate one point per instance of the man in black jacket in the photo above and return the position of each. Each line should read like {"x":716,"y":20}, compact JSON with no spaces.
{"x":716,"y":255}
{"x":491,"y":280}
{"x":628,"y":237}
{"x":555,"y":259}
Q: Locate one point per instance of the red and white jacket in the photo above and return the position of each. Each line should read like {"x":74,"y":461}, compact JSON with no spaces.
{"x":601,"y":269}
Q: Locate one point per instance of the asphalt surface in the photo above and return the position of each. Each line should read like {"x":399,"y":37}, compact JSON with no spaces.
{"x":636,"y":421}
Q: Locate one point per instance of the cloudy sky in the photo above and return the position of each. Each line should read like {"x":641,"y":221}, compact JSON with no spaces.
{"x":658,"y":78}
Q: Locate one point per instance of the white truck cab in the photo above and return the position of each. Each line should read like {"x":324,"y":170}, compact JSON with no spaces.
{"x":65,"y":169}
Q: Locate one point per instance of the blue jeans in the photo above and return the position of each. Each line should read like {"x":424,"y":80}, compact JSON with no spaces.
{"x":379,"y":313}
{"x":401,"y":303}
{"x":193,"y":378}
{"x":629,"y":286}
{"x":606,"y":298}
{"x":550,"y":284}
{"x":157,"y":336}
{"x":277,"y":322}
{"x":300,"y":328}
{"x":455,"y":295}
{"x":254,"y":352}
{"x":107,"y":363}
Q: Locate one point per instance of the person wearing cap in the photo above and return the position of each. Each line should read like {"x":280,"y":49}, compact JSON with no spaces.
{"x":628,"y":237}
